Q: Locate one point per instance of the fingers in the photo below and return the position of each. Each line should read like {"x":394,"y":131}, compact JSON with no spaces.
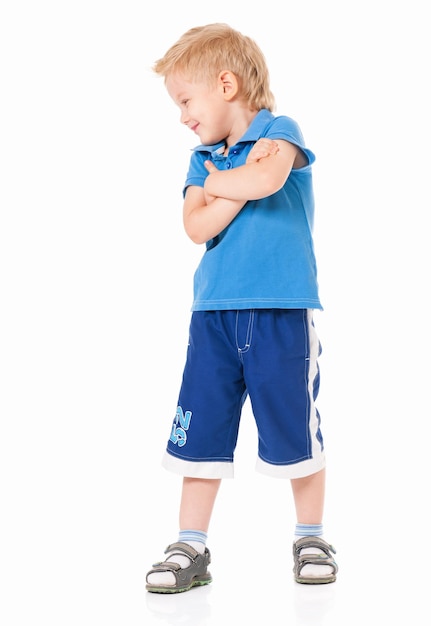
{"x":262,"y":148}
{"x":270,"y":146}
{"x":210,"y":166}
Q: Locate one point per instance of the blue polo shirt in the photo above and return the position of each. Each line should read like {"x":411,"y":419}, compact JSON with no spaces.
{"x":265,"y":257}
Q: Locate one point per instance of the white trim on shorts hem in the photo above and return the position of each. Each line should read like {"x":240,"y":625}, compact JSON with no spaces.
{"x":195,"y":469}
{"x":296,"y":470}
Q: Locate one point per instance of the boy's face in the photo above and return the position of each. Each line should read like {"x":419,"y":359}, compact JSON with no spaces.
{"x":204,"y":109}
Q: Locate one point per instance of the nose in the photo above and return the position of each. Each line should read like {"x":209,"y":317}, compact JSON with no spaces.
{"x":184,"y":118}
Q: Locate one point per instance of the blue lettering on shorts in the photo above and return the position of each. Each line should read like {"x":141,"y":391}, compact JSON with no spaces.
{"x":180,"y":427}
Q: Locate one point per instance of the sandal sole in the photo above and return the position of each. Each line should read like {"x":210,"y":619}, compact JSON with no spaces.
{"x":197,"y":582}
{"x":316,"y":581}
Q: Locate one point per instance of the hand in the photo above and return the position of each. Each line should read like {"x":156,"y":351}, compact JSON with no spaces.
{"x":262,"y":148}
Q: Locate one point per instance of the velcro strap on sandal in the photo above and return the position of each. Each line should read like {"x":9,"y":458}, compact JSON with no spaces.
{"x":166,"y":566}
{"x":314,"y":559}
{"x":323,"y":557}
{"x":182,"y":549}
{"x":313,"y":542}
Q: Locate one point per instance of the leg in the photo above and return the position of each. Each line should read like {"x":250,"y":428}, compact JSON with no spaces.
{"x":309,"y":497}
{"x":197,"y":502}
{"x":313,"y":556}
{"x":186,"y":561}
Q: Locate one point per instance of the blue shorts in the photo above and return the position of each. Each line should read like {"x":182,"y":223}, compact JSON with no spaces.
{"x":269,"y":355}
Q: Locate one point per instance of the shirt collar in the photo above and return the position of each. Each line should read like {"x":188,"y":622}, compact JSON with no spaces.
{"x":253,"y":133}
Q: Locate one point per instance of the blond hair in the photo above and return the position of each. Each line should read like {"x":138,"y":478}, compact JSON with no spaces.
{"x":204,"y":51}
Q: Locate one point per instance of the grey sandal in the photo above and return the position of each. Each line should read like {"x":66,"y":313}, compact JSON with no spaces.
{"x":314,"y":559}
{"x":185,"y":578}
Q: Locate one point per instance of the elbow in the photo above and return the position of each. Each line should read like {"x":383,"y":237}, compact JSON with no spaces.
{"x":198,"y":240}
{"x":195,"y":235}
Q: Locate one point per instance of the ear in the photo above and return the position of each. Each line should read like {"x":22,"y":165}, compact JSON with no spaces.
{"x":228,"y":82}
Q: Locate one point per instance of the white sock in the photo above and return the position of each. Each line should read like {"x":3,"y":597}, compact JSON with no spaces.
{"x":314,"y":571}
{"x":168,"y":578}
{"x":312,"y":530}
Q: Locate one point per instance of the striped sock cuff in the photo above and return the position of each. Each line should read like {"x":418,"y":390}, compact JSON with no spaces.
{"x":308,"y":530}
{"x":192,"y":535}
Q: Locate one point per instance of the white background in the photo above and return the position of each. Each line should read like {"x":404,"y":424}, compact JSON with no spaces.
{"x":96,"y":287}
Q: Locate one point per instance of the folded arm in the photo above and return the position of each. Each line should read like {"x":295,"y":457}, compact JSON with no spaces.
{"x":254,"y":180}
{"x":208,"y":210}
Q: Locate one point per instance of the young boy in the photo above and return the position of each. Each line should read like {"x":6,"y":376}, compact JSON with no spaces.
{"x":248,"y":196}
